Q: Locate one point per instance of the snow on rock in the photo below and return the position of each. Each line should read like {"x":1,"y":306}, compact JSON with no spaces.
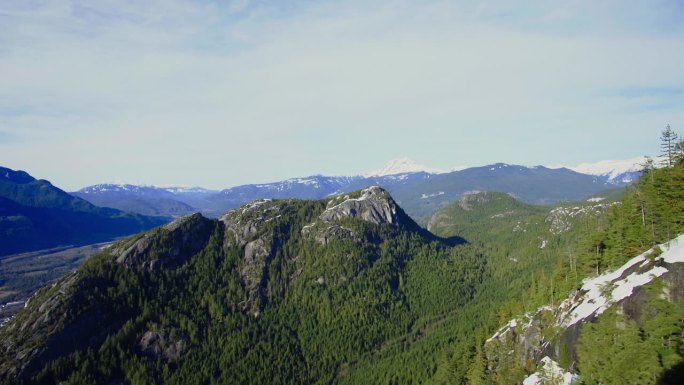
{"x":595,"y":296}
{"x":254,"y":205}
{"x":551,"y":373}
{"x":426,"y":196}
{"x":559,"y":218}
{"x":598,"y":293}
{"x":511,"y":325}
{"x":110,"y":187}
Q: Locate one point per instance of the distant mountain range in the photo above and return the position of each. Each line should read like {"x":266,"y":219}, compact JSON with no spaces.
{"x":615,"y":171}
{"x":144,"y":200}
{"x":35,"y":215}
{"x":419,"y":189}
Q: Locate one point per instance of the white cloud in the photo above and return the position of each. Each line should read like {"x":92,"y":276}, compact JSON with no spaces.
{"x":211,"y":95}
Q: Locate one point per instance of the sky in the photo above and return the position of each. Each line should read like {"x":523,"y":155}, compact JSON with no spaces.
{"x":217,"y":94}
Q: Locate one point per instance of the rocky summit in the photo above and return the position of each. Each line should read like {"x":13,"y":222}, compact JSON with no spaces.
{"x":373,"y":205}
{"x":165,"y":292}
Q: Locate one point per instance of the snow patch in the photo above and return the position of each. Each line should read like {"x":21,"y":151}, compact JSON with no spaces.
{"x":365,"y":194}
{"x":512,"y":324}
{"x":550,"y":373}
{"x":185,"y":189}
{"x":611,"y":168}
{"x":426,"y":196}
{"x":402,"y":166}
{"x":255,"y":204}
{"x":604,"y":290}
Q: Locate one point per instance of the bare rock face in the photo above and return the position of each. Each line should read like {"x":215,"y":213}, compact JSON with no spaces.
{"x":163,"y":344}
{"x":247,"y":228}
{"x":374,"y":206}
{"x":25,"y":332}
{"x":257,"y":256}
{"x":324,"y":233}
{"x":245,"y":224}
{"x":334,"y":232}
{"x":475,"y":198}
{"x":169,"y":245}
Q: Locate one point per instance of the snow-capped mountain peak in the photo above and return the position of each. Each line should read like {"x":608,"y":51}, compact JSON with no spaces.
{"x":615,"y":171}
{"x":401,"y":166}
{"x":611,"y":168}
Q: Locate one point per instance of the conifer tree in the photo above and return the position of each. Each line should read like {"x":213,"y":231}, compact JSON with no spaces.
{"x":668,"y":146}
{"x":476,"y":373}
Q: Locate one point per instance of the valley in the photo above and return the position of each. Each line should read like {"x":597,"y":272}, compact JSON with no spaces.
{"x":351,"y":286}
{"x":442,"y":316}
{"x":412,"y":192}
{"x":21,"y":275}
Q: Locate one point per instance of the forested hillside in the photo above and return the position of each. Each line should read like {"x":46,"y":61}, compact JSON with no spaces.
{"x":353,"y":295}
{"x":275,"y":292}
{"x":524,"y":244}
{"x":609,"y":327}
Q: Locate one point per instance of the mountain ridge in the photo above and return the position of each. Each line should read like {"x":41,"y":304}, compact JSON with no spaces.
{"x":34,"y":214}
{"x":420,"y":193}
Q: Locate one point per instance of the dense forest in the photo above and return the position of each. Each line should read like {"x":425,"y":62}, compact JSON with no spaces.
{"x":293,"y":291}
{"x":308,"y":310}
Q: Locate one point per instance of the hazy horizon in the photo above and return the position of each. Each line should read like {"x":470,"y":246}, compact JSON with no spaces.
{"x":217,"y":95}
{"x":365,"y":173}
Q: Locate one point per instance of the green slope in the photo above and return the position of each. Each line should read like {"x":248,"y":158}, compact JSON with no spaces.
{"x":274,"y":293}
{"x":258,"y":297}
{"x":639,"y":337}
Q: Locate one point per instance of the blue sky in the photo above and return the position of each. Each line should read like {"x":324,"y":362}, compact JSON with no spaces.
{"x":219,"y":94}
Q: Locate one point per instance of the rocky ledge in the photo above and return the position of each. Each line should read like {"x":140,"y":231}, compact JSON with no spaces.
{"x":374,"y":205}
{"x":169,"y":245}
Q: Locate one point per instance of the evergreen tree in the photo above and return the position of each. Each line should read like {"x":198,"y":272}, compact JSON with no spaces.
{"x":668,"y":146}
{"x":477,"y":372}
{"x":611,"y":351}
{"x":680,"y":151}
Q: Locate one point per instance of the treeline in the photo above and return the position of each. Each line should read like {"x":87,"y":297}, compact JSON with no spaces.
{"x":651,"y":212}
{"x":616,"y":349}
